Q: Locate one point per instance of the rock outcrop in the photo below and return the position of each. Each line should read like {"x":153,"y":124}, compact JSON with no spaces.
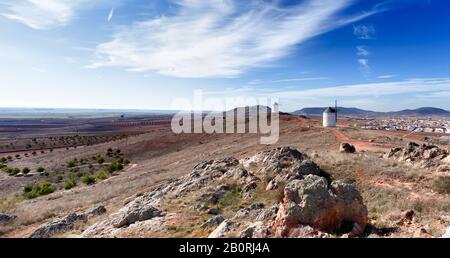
{"x":97,"y":211}
{"x":4,"y":218}
{"x":282,"y":164}
{"x":213,"y":222}
{"x":58,"y":226}
{"x":222,"y":229}
{"x":423,"y":156}
{"x":347,"y":148}
{"x":134,"y":212}
{"x":215,"y":189}
{"x":330,"y":207}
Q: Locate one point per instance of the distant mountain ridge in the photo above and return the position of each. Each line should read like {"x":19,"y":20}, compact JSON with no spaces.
{"x":423,"y":111}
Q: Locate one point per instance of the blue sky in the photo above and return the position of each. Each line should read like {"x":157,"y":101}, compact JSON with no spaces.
{"x":141,"y":54}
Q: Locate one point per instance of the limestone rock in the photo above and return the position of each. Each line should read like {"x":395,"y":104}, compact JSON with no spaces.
{"x":221,"y":231}
{"x":255,"y":230}
{"x":134,"y":212}
{"x":58,"y":226}
{"x":312,"y":201}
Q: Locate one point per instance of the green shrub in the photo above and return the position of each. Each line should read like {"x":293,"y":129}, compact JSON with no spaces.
{"x":59,"y":178}
{"x":71,"y":164}
{"x":25,"y":171}
{"x":126,"y":162}
{"x":111,"y":168}
{"x":15,"y":171}
{"x":80,"y":174}
{"x":27,"y":188}
{"x":102,"y":175}
{"x":46,"y":188}
{"x":100,"y":160}
{"x":38,"y":190}
{"x":89,"y":180}
{"x":69,"y":184}
{"x":3,"y":160}
{"x":40,"y":169}
{"x":7,"y":170}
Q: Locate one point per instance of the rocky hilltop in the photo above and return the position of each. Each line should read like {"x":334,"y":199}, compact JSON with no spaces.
{"x":276,"y":193}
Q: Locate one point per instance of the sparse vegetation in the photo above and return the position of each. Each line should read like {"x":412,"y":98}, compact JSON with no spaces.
{"x":8,"y":203}
{"x":71,"y":164}
{"x":231,"y":199}
{"x":31,"y":192}
{"x":100,"y":160}
{"x":89,"y":180}
{"x":102,"y":175}
{"x":442,"y":184}
{"x":70,"y":183}
{"x":40,"y":169}
{"x":25,"y":170}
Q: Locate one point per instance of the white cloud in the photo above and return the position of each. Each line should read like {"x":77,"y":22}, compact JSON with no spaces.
{"x":425,"y":86}
{"x":429,"y":86}
{"x":364,"y":31}
{"x":365,"y":67}
{"x":42,"y":14}
{"x":364,"y":62}
{"x":387,"y":76}
{"x":362,"y":51}
{"x":438,"y":94}
{"x":374,"y":96}
{"x":219,"y":38}
{"x":288,"y":80}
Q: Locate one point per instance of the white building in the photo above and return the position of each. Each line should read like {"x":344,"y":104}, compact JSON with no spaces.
{"x":329,"y":117}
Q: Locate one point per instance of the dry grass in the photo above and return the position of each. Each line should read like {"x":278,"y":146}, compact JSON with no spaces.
{"x":388,"y":187}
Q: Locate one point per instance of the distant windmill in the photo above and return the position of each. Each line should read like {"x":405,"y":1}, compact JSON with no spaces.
{"x":330,"y":116}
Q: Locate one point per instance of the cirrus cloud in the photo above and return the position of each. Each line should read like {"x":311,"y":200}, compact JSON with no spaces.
{"x":42,"y":14}
{"x":219,"y":38}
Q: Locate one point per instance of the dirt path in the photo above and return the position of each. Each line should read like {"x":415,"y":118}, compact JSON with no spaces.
{"x":359,"y":145}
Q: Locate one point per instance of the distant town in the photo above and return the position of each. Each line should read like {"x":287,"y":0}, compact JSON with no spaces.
{"x":425,"y":125}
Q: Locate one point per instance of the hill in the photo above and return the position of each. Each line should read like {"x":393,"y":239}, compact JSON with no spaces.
{"x":423,"y":111}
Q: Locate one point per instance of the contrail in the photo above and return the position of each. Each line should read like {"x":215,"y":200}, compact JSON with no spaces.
{"x":111,"y":14}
